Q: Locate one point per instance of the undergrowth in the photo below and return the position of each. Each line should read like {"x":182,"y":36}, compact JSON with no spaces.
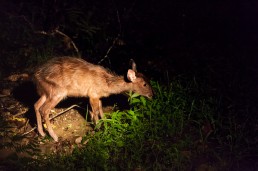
{"x":174,"y":130}
{"x":153,"y":134}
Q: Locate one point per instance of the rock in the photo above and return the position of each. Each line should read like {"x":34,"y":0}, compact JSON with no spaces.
{"x":78,"y":140}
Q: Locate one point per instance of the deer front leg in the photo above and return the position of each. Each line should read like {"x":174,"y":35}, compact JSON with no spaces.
{"x":100,"y":109}
{"x":95,"y":104}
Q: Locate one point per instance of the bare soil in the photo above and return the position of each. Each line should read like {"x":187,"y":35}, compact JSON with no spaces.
{"x":16,"y":109}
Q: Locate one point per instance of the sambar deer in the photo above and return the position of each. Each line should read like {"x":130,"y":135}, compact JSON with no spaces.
{"x":73,"y":77}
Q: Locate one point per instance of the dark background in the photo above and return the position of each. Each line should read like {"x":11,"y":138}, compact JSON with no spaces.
{"x":210,"y":43}
{"x":213,"y":41}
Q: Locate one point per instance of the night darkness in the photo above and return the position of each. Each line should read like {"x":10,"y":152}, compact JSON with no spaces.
{"x":213,"y":42}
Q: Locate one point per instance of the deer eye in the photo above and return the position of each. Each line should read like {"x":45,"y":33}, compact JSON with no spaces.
{"x":144,"y":84}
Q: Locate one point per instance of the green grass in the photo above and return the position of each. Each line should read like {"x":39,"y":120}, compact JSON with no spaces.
{"x":180,"y":125}
{"x":153,"y":134}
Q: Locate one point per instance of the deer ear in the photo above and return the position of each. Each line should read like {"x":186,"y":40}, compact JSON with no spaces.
{"x":133,"y":65}
{"x":131,"y":75}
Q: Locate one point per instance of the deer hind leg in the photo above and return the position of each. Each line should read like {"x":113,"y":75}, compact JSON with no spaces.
{"x":37,"y":105}
{"x":45,"y":110}
{"x":95,"y":107}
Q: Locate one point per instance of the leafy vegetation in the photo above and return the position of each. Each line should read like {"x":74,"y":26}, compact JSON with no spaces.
{"x":168,"y":132}
{"x":14,"y":145}
{"x":208,"y":121}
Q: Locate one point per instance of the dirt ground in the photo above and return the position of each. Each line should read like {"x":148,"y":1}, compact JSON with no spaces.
{"x":16,"y":109}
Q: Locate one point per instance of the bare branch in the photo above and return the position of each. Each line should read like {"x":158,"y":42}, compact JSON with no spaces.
{"x":116,"y":40}
{"x":60,"y":113}
{"x":69,"y":40}
{"x":109,"y":49}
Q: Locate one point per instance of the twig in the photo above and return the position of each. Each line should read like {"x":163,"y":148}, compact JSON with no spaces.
{"x":25,"y":133}
{"x":109,"y":49}
{"x":26,"y":124}
{"x":119,"y":21}
{"x":116,"y":39}
{"x":70,"y":40}
{"x":60,"y":113}
{"x":20,"y":113}
{"x":55,"y":31}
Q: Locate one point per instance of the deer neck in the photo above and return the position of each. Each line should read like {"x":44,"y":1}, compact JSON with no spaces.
{"x":117,"y":84}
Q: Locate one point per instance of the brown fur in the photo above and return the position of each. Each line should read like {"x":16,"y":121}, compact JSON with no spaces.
{"x":67,"y":76}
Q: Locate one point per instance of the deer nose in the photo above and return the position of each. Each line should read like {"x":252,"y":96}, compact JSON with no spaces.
{"x":150,"y":96}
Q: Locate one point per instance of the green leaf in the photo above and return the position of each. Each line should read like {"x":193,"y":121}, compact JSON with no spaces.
{"x":134,"y":95}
